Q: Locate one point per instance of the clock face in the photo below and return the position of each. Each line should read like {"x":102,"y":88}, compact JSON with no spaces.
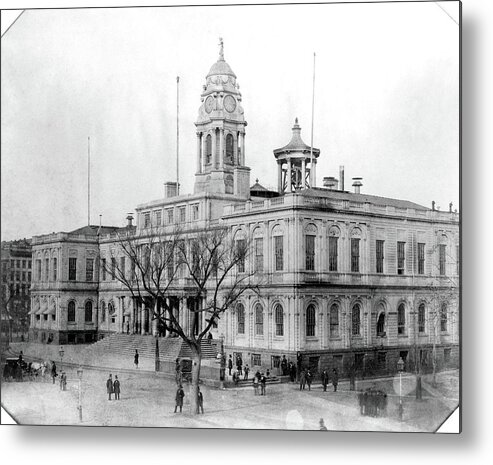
{"x":229,"y":103}
{"x":209,"y":103}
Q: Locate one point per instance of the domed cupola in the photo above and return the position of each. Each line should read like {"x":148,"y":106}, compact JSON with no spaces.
{"x":294,"y":162}
{"x":221,"y":133}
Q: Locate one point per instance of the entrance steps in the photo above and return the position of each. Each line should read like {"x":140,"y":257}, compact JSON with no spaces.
{"x":118,"y":350}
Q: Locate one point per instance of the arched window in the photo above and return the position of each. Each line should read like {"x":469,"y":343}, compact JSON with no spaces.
{"x":381,"y":325}
{"x":71,"y":311}
{"x":443,"y":318}
{"x":279,"y":317}
{"x":310,"y":320}
{"x":421,"y":318}
{"x":103,"y":311}
{"x":208,"y":149}
{"x":334,"y":320}
{"x":229,"y":149}
{"x":355,"y":320}
{"x":401,"y":319}
{"x":259,"y":320}
{"x":88,"y":312}
{"x":240,"y":315}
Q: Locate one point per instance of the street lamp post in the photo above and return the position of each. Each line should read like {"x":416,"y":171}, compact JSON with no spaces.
{"x":61,"y":352}
{"x":400,"y":369}
{"x":79,"y":374}
{"x":222,"y":369}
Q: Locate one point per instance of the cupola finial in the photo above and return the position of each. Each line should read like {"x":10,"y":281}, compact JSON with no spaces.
{"x":221,"y":49}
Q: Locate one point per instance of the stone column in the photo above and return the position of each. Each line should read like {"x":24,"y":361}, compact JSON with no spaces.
{"x":235,"y":149}
{"x":204,"y":152}
{"x":221,"y":148}
{"x":199,"y":153}
{"x":279,"y":176}
{"x":142,"y":318}
{"x":303,"y":173}
{"x":289,"y":185}
{"x":214,"y":154}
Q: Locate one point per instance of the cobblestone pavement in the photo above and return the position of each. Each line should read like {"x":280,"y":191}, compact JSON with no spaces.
{"x":148,"y":400}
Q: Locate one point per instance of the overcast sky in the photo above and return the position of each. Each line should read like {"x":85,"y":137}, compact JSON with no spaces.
{"x":386,"y":101}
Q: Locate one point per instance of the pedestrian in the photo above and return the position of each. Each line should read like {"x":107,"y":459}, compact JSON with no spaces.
{"x":246,"y":370}
{"x":109,"y":386}
{"x":53,"y":371}
{"x":292,"y":372}
{"x":136,"y":359}
{"x":128,"y":327}
{"x":63,"y":381}
{"x":361,"y":401}
{"x":263,"y":381}
{"x":302,"y":380}
{"x":325,"y":379}
{"x":230,"y":364}
{"x":200,"y":401}
{"x":116,"y":388}
{"x":255,"y":385}
{"x":284,"y":366}
{"x":236,"y":377}
{"x":240,"y":365}
{"x":335,"y":378}
{"x":180,"y":394}
{"x":322,"y":425}
{"x":309,"y":378}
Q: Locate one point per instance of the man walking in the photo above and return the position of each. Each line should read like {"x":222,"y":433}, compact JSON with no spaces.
{"x":335,"y":378}
{"x":302,"y":380}
{"x":246,"y":370}
{"x":325,"y":379}
{"x":230,"y":364}
{"x":180,"y":394}
{"x":136,"y":359}
{"x":200,"y":399}
{"x":109,"y":386}
{"x":263,"y":381}
{"x":309,"y":378}
{"x":116,"y":388}
{"x":53,"y":371}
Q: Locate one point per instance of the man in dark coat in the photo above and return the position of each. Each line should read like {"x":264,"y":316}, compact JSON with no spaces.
{"x":180,"y":394}
{"x":109,"y":387}
{"x":325,"y":379}
{"x":53,"y":371}
{"x":230,"y":365}
{"x":136,"y":359}
{"x":292,"y":372}
{"x":302,"y":380}
{"x":200,"y":399}
{"x":116,"y":388}
{"x":263,"y":382}
{"x":284,"y":366}
{"x":335,"y":379}
{"x":309,"y":378}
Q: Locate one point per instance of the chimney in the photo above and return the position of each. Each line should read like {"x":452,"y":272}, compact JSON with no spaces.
{"x":170,"y":189}
{"x":341,"y":177}
{"x":357,"y":185}
{"x":450,"y":205}
{"x":433,"y":205}
{"x":330,"y":183}
{"x":130,"y":218}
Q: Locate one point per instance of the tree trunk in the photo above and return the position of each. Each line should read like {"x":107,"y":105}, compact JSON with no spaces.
{"x":196,"y":361}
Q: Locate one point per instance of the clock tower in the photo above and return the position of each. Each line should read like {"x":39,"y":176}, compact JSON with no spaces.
{"x":221,"y":134}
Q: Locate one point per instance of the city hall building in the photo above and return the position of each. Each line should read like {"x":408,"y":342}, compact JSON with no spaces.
{"x":347,"y":279}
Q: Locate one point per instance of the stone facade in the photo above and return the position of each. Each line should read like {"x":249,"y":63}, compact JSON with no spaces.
{"x":346,"y":279}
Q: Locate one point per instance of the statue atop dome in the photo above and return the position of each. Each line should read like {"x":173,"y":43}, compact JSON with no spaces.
{"x":221,"y":49}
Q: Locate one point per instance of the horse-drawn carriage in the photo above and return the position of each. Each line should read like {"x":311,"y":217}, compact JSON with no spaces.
{"x":16,"y":369}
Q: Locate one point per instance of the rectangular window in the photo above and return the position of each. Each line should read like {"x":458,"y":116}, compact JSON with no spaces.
{"x":446,"y":356}
{"x":89,"y":269}
{"x":122,"y":266}
{"x":47,"y":269}
{"x":240,"y":245}
{"x":182,"y":214}
{"x":310,"y":252}
{"x":380,"y":246}
{"x":18,"y":263}
{"x":55,"y":271}
{"x":23,"y":275}
{"x":421,"y":258}
{"x":72,"y":269}
{"x":259,"y":254}
{"x":158,"y":217}
{"x":279,"y":252}
{"x":400,"y":257}
{"x":113,"y":268}
{"x":333,"y":253}
{"x":29,"y":263}
{"x":18,"y":275}
{"x":23,"y":263}
{"x":382,"y":360}
{"x":29,"y":276}
{"x":442,"y":258}
{"x":195,"y":212}
{"x":170,"y":259}
{"x":147,"y":220}
{"x":169,"y":216}
{"x":355,"y":255}
{"x":256,"y":360}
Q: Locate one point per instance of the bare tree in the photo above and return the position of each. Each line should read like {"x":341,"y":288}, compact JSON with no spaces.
{"x":211,"y":261}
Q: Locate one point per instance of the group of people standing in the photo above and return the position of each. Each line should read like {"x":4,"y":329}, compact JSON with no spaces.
{"x":259,"y":380}
{"x":113,"y":387}
{"x":240,"y":371}
{"x":372,"y":402}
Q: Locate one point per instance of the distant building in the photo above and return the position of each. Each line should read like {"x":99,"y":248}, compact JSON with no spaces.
{"x":347,"y":280}
{"x":16,"y":282}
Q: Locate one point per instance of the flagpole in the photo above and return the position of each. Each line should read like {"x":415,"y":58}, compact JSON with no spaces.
{"x":312,"y":170}
{"x":177,"y":134}
{"x":88,"y":181}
